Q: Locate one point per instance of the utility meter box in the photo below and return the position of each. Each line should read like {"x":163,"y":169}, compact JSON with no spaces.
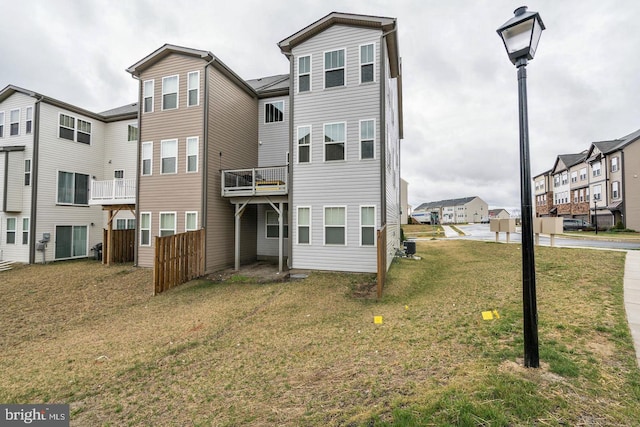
{"x":46,"y":237}
{"x":552,"y":225}
{"x":508,"y":225}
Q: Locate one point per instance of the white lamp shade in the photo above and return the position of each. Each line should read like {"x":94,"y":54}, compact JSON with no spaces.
{"x":521,"y":34}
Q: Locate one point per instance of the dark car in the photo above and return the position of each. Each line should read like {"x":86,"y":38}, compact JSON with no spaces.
{"x":573,"y":224}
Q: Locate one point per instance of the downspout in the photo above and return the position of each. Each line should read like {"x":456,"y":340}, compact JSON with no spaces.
{"x":205,"y":156}
{"x":34,"y":181}
{"x":290,"y":160}
{"x":383,"y":130}
{"x":138,"y":171}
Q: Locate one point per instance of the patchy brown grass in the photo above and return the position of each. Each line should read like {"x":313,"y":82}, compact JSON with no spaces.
{"x":307,"y":352}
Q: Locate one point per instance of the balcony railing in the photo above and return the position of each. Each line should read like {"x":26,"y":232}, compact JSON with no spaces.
{"x":115,"y":191}
{"x":257,"y":181}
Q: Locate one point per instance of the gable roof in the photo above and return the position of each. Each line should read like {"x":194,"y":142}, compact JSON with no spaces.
{"x":271,"y":86}
{"x":170,"y":49}
{"x":447,"y":202}
{"x":567,"y":161}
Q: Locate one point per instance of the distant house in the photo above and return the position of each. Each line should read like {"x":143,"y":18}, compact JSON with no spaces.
{"x":452,"y":211}
{"x":499,"y":214}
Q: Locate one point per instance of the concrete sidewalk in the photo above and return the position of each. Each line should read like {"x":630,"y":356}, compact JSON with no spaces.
{"x":632,"y":297}
{"x":449,"y":232}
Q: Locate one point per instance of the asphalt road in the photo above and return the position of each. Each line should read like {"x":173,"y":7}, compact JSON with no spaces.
{"x":481,"y":232}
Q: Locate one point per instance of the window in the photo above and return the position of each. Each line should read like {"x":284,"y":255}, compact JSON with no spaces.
{"x":118,"y":174}
{"x":274,"y":111}
{"x":334,"y":141}
{"x":132,"y":133}
{"x":84,"y":132}
{"x":1,"y":124}
{"x":304,"y":74}
{"x":334,"y":226}
{"x":596,"y":169}
{"x":147,"y":155}
{"x":597,"y":192}
{"x":167,"y":223}
{"x":614,"y":164}
{"x":73,"y":188}
{"x":11,"y":231}
{"x":169,"y":93}
{"x":304,"y":144}
{"x":147,"y":94}
{"x":193,"y":88}
{"x":14,"y":122}
{"x":586,"y":194}
{"x":25,"y":231}
{"x":27,"y":172}
{"x":574,"y":176}
{"x":367,"y":136}
{"x":582,"y":195}
{"x":575,"y":196}
{"x":367,"y":226}
{"x":190,"y":221}
{"x":192,"y":154}
{"x":565,"y":178}
{"x":366,"y":63}
{"x":121,"y":224}
{"x":272,"y":226}
{"x":304,"y":225}
{"x":169,"y":156}
{"x":334,"y":68}
{"x":556,"y":180}
{"x":583,"y":174}
{"x":28,"y":124}
{"x":67,"y":126}
{"x":615,"y":190}
{"x":145,"y":229}
{"x":71,"y":241}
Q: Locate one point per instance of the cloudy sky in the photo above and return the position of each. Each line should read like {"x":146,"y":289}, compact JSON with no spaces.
{"x":460,"y":90}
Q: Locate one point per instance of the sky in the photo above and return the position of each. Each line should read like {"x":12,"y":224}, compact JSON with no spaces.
{"x":461,"y":134}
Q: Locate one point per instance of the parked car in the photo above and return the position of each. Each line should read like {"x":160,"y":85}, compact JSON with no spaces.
{"x":573,"y":224}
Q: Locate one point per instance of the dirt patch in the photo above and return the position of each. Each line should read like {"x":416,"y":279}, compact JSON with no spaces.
{"x":258,"y":272}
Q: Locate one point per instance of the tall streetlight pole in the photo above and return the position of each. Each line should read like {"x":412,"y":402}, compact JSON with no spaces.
{"x":520,"y":36}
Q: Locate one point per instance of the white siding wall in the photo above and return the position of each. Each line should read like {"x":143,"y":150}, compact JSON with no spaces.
{"x":350,"y":183}
{"x":274,"y":136}
{"x":20,"y":193}
{"x":268,"y":247}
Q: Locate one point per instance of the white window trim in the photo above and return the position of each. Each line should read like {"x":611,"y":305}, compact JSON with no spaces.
{"x":324,"y":69}
{"x":162,"y":157}
{"x":309,"y":225}
{"x":197,"y":141}
{"x":2,"y":114}
{"x":142,"y":159}
{"x":324,"y":225}
{"x":148,"y":229}
{"x":373,"y":62}
{"x":73,"y":226}
{"x":118,"y":170}
{"x":177,"y":92}
{"x":360,"y":138}
{"x":28,"y":172}
{"x":283,"y":111}
{"x":614,"y":164}
{"x":14,"y":230}
{"x":59,"y":126}
{"x":78,"y":131}
{"x":615,"y":188}
{"x":309,"y":145}
{"x":153,"y":88}
{"x":197,"y":89}
{"x":186,"y":215}
{"x":284,"y":225}
{"x":135,"y":125}
{"x":28,"y":112}
{"x":175,"y":222}
{"x":16,"y":122}
{"x":375,"y":220}
{"x":25,"y":231}
{"x":74,"y":188}
{"x":324,"y":143}
{"x":310,"y":73}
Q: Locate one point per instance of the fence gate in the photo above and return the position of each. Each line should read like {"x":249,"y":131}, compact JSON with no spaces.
{"x":178,"y":259}
{"x":123,"y":245}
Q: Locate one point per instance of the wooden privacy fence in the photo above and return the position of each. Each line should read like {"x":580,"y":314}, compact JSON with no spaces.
{"x":382,"y":258}
{"x":178,"y":259}
{"x":122,"y":245}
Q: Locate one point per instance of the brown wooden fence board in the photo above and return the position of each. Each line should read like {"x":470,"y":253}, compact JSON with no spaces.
{"x":123,"y":245}
{"x":178,"y":259}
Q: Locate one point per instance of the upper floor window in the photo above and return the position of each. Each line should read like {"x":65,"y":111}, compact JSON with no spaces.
{"x":597,"y":192}
{"x":556,"y":180}
{"x":583,"y":174}
{"x":192,"y":154}
{"x":118,"y":174}
{"x":334,"y":68}
{"x":614,"y":164}
{"x":615,"y":190}
{"x":574,"y":176}
{"x":304,"y":73}
{"x":169,"y":156}
{"x":14,"y":122}
{"x":169,"y":92}
{"x":83,"y":133}
{"x":596,"y":170}
{"x":28,"y":124}
{"x":132,"y":132}
{"x":27,"y":172}
{"x":1,"y":124}
{"x":366,"y":63}
{"x":565,"y":178}
{"x":304,"y":144}
{"x":147,"y":94}
{"x":367,"y":135}
{"x":334,"y":141}
{"x":274,"y":111}
{"x":73,"y":188}
{"x":67,"y":127}
{"x":193,"y":89}
{"x":147,"y":157}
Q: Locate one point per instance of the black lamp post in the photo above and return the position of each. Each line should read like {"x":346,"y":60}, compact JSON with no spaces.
{"x":595,"y":213}
{"x":520,"y":36}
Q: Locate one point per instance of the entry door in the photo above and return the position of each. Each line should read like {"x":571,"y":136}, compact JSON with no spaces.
{"x":71,"y":241}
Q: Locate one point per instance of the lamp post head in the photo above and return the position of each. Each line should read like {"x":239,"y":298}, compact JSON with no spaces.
{"x":521,"y":35}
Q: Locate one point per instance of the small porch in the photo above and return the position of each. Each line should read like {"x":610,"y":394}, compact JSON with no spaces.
{"x":272,"y":181}
{"x":113,"y":192}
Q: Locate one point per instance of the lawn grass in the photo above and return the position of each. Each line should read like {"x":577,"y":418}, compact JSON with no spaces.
{"x":422,"y":230}
{"x":309,"y":353}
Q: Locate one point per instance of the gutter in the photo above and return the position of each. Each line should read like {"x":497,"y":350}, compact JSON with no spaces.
{"x":138,"y":171}
{"x":205,"y":156}
{"x":34,"y":180}
{"x":289,"y":56}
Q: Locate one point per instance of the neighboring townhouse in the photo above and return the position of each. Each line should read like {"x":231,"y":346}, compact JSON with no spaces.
{"x":303,"y":165}
{"x":50,"y":152}
{"x":603,"y":184}
{"x":499,"y":214}
{"x":543,"y":193}
{"x":454,"y":211}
